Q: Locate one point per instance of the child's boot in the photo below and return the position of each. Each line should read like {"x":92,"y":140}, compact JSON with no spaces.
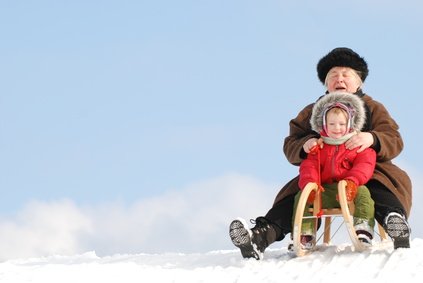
{"x":363,"y":230}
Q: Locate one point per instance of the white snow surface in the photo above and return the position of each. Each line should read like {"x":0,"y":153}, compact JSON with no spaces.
{"x":331,"y":263}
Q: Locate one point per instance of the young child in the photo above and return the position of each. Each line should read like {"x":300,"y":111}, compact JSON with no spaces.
{"x":336,"y":117}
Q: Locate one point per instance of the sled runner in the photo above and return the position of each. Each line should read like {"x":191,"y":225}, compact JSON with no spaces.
{"x":346,"y":210}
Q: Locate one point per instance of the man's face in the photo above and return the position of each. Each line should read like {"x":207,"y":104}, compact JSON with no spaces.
{"x":343,"y":79}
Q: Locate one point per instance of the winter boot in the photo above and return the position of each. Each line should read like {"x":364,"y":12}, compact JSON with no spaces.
{"x":398,"y":229}
{"x":307,"y":242}
{"x":252,"y":242}
{"x":364,"y":231}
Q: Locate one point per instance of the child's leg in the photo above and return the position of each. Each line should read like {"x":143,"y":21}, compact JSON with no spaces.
{"x":308,"y":223}
{"x":364,"y":220}
{"x":329,"y":196}
{"x":364,"y":207}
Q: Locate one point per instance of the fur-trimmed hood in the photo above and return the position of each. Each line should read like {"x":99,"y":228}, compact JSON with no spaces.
{"x":347,"y":101}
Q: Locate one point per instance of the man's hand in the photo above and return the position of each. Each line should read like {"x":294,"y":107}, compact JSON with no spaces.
{"x":312,"y":143}
{"x":361,"y":140}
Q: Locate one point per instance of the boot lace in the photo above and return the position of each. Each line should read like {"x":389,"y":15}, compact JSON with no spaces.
{"x":260,"y":231}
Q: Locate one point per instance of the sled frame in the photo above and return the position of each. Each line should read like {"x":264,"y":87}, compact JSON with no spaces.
{"x":346,"y":210}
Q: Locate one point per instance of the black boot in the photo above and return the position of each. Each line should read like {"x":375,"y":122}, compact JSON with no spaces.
{"x":252,"y":243}
{"x":398,"y":229}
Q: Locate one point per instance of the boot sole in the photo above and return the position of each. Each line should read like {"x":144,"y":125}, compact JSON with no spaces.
{"x":399,"y":231}
{"x":242,"y":238}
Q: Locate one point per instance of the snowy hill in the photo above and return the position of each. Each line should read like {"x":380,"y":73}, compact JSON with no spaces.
{"x":328,"y":264}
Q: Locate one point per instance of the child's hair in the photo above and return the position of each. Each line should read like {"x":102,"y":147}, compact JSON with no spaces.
{"x":337,"y":110}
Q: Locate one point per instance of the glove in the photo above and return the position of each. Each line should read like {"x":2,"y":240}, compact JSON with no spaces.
{"x":350,"y":190}
{"x":311,"y":197}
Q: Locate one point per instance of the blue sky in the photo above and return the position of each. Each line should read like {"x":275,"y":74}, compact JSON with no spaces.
{"x":121,"y":105}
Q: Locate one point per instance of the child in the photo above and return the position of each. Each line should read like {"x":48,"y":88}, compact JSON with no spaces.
{"x":337,"y":117}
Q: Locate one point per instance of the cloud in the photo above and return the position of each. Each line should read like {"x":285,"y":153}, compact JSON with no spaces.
{"x":192,"y":219}
{"x":195,"y":218}
{"x":42,"y":229}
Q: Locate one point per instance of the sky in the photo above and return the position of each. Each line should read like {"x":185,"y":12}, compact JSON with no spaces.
{"x":333,"y":263}
{"x":147,"y":126}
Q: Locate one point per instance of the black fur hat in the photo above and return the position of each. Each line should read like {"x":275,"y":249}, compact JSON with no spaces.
{"x":342,"y":57}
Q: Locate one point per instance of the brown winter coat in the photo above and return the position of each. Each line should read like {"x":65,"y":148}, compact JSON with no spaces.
{"x":388,"y":145}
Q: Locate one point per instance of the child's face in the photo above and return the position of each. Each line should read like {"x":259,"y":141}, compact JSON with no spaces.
{"x":336,"y":124}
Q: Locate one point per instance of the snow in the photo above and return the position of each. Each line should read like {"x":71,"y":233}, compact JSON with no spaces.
{"x":329,"y":263}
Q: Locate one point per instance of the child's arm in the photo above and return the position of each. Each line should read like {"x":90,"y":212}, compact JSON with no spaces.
{"x":309,"y":170}
{"x":363,"y":167}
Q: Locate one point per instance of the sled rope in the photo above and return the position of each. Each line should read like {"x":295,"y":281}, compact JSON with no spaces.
{"x":316,"y":150}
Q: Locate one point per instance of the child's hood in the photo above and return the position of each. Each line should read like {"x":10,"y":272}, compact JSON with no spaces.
{"x":350,"y":102}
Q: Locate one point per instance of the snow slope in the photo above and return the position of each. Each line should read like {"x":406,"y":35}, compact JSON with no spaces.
{"x":328,"y":264}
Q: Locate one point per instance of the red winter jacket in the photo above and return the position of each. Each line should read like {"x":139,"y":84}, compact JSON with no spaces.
{"x":338,"y":163}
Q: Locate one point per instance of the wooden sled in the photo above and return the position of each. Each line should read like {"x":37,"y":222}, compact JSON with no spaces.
{"x":346,"y":210}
